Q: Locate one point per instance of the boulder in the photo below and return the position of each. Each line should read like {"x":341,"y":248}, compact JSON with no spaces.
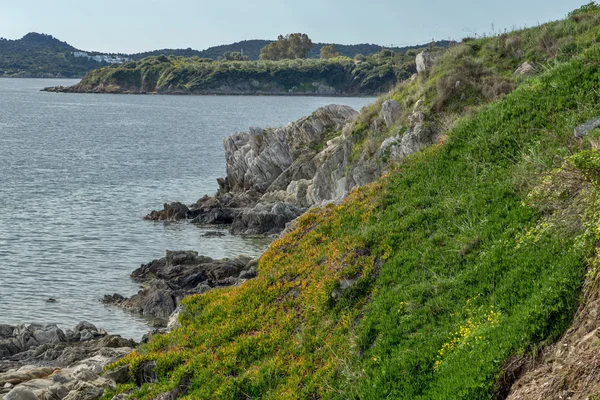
{"x":424,"y":62}
{"x":83,"y":326}
{"x":390,"y":111}
{"x":416,"y":118}
{"x":20,"y":394}
{"x":168,"y":280}
{"x":119,"y":374}
{"x":171,"y":212}
{"x":413,"y":140}
{"x":583,"y":129}
{"x":146,"y":373}
{"x":525,"y":69}
{"x":174,"y":319}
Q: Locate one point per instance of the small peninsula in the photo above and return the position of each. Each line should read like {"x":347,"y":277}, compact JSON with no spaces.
{"x":337,"y":76}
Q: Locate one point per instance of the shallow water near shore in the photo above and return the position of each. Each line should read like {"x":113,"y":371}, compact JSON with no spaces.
{"x":77,"y":174}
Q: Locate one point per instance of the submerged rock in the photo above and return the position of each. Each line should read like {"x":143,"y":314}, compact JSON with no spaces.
{"x":171,"y":212}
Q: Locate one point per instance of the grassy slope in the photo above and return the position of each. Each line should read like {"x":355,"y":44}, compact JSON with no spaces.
{"x":451,"y":268}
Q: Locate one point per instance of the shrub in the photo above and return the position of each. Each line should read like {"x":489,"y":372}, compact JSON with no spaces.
{"x":579,"y":14}
{"x":547,"y":42}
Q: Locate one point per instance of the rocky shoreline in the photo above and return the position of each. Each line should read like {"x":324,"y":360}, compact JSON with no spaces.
{"x":212,"y":92}
{"x":45,"y":362}
{"x":181,"y":273}
{"x":273,"y":176}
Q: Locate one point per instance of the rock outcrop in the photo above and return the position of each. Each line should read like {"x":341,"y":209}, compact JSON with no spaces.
{"x":45,"y":362}
{"x":275,"y":175}
{"x":424,"y":62}
{"x":390,"y":112}
{"x":181,"y":273}
{"x":257,"y":159}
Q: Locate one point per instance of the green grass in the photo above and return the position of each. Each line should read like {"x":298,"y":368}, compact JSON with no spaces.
{"x":423,"y":284}
{"x":443,"y":319}
{"x":455,"y":273}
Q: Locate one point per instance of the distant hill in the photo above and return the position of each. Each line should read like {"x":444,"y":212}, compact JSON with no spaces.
{"x":43,"y":56}
{"x":251,"y":48}
{"x":38,"y":55}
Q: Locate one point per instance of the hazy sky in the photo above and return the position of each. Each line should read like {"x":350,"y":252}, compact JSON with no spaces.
{"x":139,"y":25}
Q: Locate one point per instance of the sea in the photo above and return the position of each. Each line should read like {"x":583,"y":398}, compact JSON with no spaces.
{"x":78,"y":172}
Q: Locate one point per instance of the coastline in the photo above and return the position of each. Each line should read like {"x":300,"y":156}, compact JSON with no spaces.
{"x":30,"y":368}
{"x":213,"y":93}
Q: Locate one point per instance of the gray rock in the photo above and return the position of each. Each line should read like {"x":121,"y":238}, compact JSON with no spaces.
{"x":424,"y":62}
{"x":275,"y":175}
{"x":57,"y":391}
{"x":20,"y":394}
{"x":59,"y":368}
{"x":584,"y":128}
{"x":389,"y":146}
{"x":416,"y":118}
{"x":525,"y":69}
{"x":213,"y":234}
{"x":145,"y":373}
{"x":415,"y":139}
{"x":266,"y":218}
{"x":168,"y":280}
{"x":119,"y":374}
{"x":85,"y":391}
{"x":256,"y":159}
{"x":174,"y":319}
{"x":43,"y":334}
{"x":390,"y":111}
{"x":84,"y":325}
{"x":171,"y":212}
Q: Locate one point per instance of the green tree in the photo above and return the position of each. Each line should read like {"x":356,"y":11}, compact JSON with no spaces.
{"x":292,"y":46}
{"x":328,"y":52}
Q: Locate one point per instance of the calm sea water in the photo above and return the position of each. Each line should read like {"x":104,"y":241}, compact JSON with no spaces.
{"x":77,"y":174}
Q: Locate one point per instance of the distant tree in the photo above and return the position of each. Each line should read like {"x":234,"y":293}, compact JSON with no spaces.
{"x":360,"y":57}
{"x":299,"y":45}
{"x":292,"y":46}
{"x":386,"y":53}
{"x":328,"y":52}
